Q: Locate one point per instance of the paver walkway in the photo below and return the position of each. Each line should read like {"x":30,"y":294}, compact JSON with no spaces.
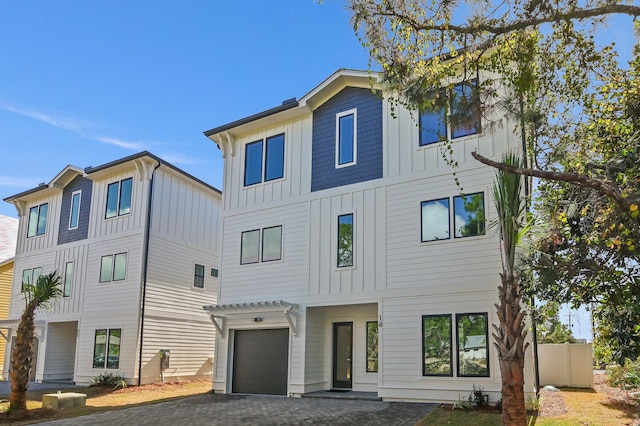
{"x":216,"y":409}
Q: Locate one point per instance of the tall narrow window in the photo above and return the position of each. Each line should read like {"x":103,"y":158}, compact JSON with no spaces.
{"x":372,"y":346}
{"x":469,"y":217}
{"x":435,"y":219}
{"x":253,"y":163}
{"x":250,"y":247}
{"x":106,"y":348}
{"x":37,"y":220}
{"x":473,"y":348}
{"x":272,"y":243}
{"x":436,"y":345}
{"x":465,"y":109}
{"x":345,"y":240}
{"x":119,"y":198}
{"x":68,"y":279}
{"x":198,"y":276}
{"x":346,"y":138}
{"x":432,"y":122}
{"x":274,"y":158}
{"x":74,"y":214}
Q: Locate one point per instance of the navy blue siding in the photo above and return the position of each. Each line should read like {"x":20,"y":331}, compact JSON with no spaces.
{"x":66,"y":235}
{"x":369,"y":138}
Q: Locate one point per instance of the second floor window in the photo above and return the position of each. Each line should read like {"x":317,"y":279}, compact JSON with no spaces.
{"x":30,"y":276}
{"x":346,"y":138}
{"x":468,"y":217}
{"x":119,"y":198}
{"x":261,"y":245}
{"x":113,"y":267}
{"x":68,"y":279}
{"x":74,"y":214}
{"x":345,"y":240}
{"x":198,"y":276}
{"x":37,"y":220}
{"x":264,"y":160}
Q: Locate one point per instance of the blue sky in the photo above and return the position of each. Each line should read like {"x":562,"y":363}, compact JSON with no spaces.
{"x":85,"y":83}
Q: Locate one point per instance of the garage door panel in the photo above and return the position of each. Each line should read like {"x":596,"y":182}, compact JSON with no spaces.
{"x":260,"y":361}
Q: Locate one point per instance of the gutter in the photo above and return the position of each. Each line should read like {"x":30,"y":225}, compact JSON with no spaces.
{"x":145,"y":267}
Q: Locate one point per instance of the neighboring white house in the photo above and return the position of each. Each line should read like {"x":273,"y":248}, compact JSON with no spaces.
{"x":351,"y":260}
{"x":136,"y":242}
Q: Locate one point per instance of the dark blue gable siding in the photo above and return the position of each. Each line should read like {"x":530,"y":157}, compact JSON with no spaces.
{"x":369,"y":139}
{"x":66,"y":235}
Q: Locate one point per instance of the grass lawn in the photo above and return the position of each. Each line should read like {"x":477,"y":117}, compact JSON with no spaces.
{"x":103,"y":399}
{"x":602,"y":407}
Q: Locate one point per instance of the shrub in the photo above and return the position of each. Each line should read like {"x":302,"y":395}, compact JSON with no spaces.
{"x":111,"y":380}
{"x":625,"y":376}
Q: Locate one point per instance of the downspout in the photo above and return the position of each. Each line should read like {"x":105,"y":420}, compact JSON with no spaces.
{"x":534,"y":328}
{"x":145,"y":266}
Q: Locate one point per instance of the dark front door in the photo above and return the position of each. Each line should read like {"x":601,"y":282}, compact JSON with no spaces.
{"x":260,"y":361}
{"x":342,"y":354}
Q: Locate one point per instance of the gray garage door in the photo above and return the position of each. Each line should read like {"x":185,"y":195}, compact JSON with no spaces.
{"x":260,"y":361}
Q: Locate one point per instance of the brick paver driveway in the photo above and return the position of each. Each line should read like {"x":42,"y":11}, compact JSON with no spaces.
{"x":215,"y":409}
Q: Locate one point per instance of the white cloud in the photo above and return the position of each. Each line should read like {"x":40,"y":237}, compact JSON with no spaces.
{"x":75,"y":126}
{"x":435,"y":221}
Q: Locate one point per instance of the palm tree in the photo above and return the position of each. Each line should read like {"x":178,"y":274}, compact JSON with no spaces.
{"x":42,"y":293}
{"x":510,"y":335}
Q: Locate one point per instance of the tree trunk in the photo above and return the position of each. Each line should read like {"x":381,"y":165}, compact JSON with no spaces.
{"x":509,"y":339}
{"x":22,"y":359}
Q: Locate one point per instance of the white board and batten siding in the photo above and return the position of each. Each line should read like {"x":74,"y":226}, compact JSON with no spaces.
{"x":274,"y":280}
{"x":297,"y":167}
{"x":49,"y":240}
{"x":185,"y":227}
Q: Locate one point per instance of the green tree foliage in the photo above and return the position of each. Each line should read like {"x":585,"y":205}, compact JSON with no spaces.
{"x":46,"y":290}
{"x":549,"y":327}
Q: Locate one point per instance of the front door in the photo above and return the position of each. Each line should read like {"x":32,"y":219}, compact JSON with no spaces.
{"x":342,"y":355}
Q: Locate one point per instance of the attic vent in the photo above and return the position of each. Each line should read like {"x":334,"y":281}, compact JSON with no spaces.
{"x":288,"y":101}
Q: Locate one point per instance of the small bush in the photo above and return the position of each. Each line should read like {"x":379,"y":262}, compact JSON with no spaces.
{"x":625,"y":376}
{"x":111,"y":380}
{"x":478,"y":397}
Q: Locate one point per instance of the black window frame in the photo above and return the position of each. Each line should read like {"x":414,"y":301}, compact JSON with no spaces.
{"x":424,"y":352}
{"x":260,"y":232}
{"x":351,"y":248}
{"x":438,"y":111}
{"x":368,"y":357}
{"x":198,"y":276}
{"x":265,"y":155}
{"x":422,"y":205}
{"x":106,"y":362}
{"x":38,"y":219}
{"x":484,"y":216}
{"x":486,"y":340}
{"x":112,"y":275}
{"x":119,"y":198}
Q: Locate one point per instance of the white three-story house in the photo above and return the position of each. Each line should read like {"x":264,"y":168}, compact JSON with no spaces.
{"x":351,"y":258}
{"x":136,"y":244}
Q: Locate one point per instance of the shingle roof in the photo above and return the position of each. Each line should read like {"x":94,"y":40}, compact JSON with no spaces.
{"x":8,"y":236}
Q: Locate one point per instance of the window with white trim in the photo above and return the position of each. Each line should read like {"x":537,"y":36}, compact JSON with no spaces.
{"x":37,"y":220}
{"x":346,"y":138}
{"x":74,"y":212}
{"x":68,"y":279}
